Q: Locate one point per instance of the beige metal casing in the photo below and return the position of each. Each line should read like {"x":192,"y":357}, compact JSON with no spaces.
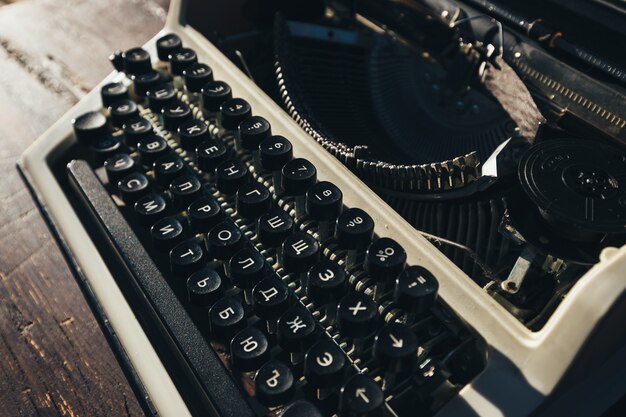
{"x":523,"y":367}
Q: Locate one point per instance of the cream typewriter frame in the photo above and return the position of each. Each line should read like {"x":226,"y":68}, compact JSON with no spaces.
{"x":580,"y":351}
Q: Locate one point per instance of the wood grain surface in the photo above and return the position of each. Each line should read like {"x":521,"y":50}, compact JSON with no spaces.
{"x":54,"y":359}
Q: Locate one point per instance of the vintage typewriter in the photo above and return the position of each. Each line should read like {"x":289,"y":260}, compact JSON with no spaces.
{"x":355,"y":208}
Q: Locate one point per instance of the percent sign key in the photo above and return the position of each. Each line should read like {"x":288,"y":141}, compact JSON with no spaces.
{"x":385,"y":259}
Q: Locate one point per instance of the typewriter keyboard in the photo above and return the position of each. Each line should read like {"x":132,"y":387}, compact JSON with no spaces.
{"x":254,"y":276}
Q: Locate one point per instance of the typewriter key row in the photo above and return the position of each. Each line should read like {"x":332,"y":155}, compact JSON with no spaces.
{"x":319,"y":313}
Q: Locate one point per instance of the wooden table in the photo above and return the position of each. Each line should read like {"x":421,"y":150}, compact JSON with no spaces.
{"x":54,"y":358}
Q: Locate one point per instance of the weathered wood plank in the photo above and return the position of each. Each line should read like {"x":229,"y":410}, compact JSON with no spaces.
{"x":5,"y":2}
{"x":54,"y":359}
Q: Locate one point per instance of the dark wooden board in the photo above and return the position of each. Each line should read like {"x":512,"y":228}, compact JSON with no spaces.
{"x":54,"y":359}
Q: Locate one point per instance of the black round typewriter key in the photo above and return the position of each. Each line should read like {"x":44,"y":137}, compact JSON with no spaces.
{"x":197,"y":76}
{"x":160,"y":96}
{"x":249,"y":349}
{"x":385,"y":259}
{"x":192,"y":133}
{"x":271,"y":298}
{"x":234,"y":111}
{"x":430,"y":377}
{"x":302,"y":409}
{"x":150,"y":208}
{"x":105,"y":147}
{"x":152,"y":148}
{"x":274,"y":227}
{"x":300,"y":251}
{"x":297,"y":176}
{"x":174,"y":114}
{"x":146,"y":82}
{"x":136,"y":129}
{"x":357,"y":315}
{"x":324,"y":201}
{"x":166,"y":233}
{"x":416,"y":289}
{"x":204,"y":213}
{"x":395,"y":347}
{"x":252,"y":131}
{"x":90,"y":126}
{"x":230,"y":175}
{"x":325,"y":364}
{"x":168,"y":45}
{"x":185,"y":189}
{"x":204,"y":287}
{"x":226,"y":318}
{"x":246,"y":268}
{"x":274,"y":384}
{"x":224,"y":240}
{"x":297,"y":329}
{"x":209,"y":154}
{"x":182,"y":59}
{"x":117,"y":60}
{"x":122,"y":111}
{"x":354,"y":229}
{"x":133,"y":186}
{"x":275,"y":152}
{"x":168,"y":167}
{"x":361,"y":397}
{"x":118,"y":166}
{"x":253,"y":199}
{"x":214,"y":93}
{"x":326,"y":282}
{"x":137,"y":61}
{"x":186,"y":258}
{"x":113,"y":92}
